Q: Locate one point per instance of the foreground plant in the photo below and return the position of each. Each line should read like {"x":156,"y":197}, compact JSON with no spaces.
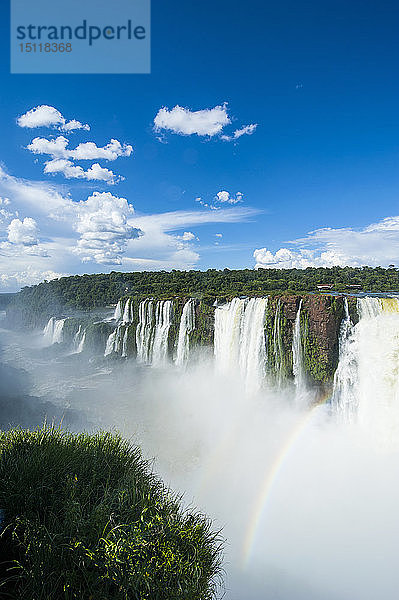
{"x":84,"y":517}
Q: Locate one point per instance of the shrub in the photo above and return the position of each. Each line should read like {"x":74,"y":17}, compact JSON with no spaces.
{"x":84,"y":517}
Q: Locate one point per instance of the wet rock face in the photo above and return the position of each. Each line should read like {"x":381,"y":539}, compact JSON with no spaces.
{"x":321,"y":318}
{"x":325,"y":316}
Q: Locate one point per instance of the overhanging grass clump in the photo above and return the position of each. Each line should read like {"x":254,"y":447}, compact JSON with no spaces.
{"x":85,"y":518}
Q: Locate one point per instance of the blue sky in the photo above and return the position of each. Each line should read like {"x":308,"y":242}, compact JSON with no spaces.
{"x":319,"y":80}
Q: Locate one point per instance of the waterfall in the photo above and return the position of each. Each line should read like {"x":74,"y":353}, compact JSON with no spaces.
{"x":187,"y":325}
{"x":53,"y":331}
{"x":118,"y":311}
{"x":114,"y":341}
{"x":144,"y":330}
{"x":366,"y":386}
{"x":163,"y":321}
{"x":81,"y":343}
{"x":344,"y":396}
{"x":228,"y":319}
{"x":76,"y":338}
{"x":240,"y":340}
{"x":297,"y":358}
{"x":79,"y":340}
{"x":278,"y":346}
{"x":252,"y":359}
{"x":109,"y":346}
{"x":124,"y":342}
{"x":127,"y":313}
{"x":152,"y":333}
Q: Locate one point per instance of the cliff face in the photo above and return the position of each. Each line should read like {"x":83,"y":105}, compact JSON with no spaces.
{"x":320,"y":318}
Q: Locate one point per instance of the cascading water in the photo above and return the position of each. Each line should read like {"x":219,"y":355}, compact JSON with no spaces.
{"x":240,"y":339}
{"x":344,"y":397}
{"x":114,"y":341}
{"x":187,"y":325}
{"x":366,"y":386}
{"x":163,"y":321}
{"x":117,"y":340}
{"x":252,"y":359}
{"x":81,"y":343}
{"x":144,"y":330}
{"x":152,"y":333}
{"x":53,"y":331}
{"x":118,"y":311}
{"x":297,"y":359}
{"x":124,"y":342}
{"x":127,"y":313}
{"x":278,"y":346}
{"x":79,"y":340}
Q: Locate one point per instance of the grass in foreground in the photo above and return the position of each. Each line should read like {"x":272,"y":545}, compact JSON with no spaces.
{"x":85,"y":518}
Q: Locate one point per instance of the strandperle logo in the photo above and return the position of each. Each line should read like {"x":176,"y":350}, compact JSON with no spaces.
{"x":82,"y":32}
{"x":75,"y":36}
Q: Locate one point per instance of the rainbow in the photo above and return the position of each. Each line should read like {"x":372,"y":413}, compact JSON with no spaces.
{"x":263,"y":497}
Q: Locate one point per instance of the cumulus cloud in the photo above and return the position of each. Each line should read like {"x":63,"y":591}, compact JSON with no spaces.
{"x":374,"y":245}
{"x":57,"y":148}
{"x":225,"y":197}
{"x":5,"y":214}
{"x":209,"y":122}
{"x":188,"y":236}
{"x":102,"y":222}
{"x":23,"y":232}
{"x":48,"y":116}
{"x":95,"y":234}
{"x":71,"y":171}
{"x":183,"y":121}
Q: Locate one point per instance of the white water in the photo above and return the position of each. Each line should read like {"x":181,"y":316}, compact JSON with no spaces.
{"x":308,"y":505}
{"x":277,"y":346}
{"x":152,"y":333}
{"x":297,"y":359}
{"x":144,"y":330}
{"x":81,"y":343}
{"x":366,"y":387}
{"x":124,"y":342}
{"x":240,"y":344}
{"x":118,"y":311}
{"x":114,"y":342}
{"x":344,"y":396}
{"x":52,"y":333}
{"x":128,"y":312}
{"x":187,"y":325}
{"x":79,"y":340}
{"x":163,"y":321}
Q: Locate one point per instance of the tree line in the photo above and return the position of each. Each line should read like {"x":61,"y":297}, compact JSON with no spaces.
{"x":91,"y":291}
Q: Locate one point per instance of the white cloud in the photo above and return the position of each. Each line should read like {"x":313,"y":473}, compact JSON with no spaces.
{"x":57,"y":148}
{"x":187,"y":236}
{"x":375,"y":245}
{"x":102,"y":222}
{"x":225,"y":197}
{"x":48,"y":116}
{"x":95,"y":234}
{"x":244,"y":130}
{"x":15,"y":279}
{"x":23,"y":232}
{"x":71,"y":171}
{"x":207,"y":122}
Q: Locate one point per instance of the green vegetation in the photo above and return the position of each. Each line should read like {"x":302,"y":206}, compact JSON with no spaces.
{"x":85,"y":519}
{"x":91,"y":291}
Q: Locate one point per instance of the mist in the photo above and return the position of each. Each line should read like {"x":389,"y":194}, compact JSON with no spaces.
{"x":307,"y":505}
